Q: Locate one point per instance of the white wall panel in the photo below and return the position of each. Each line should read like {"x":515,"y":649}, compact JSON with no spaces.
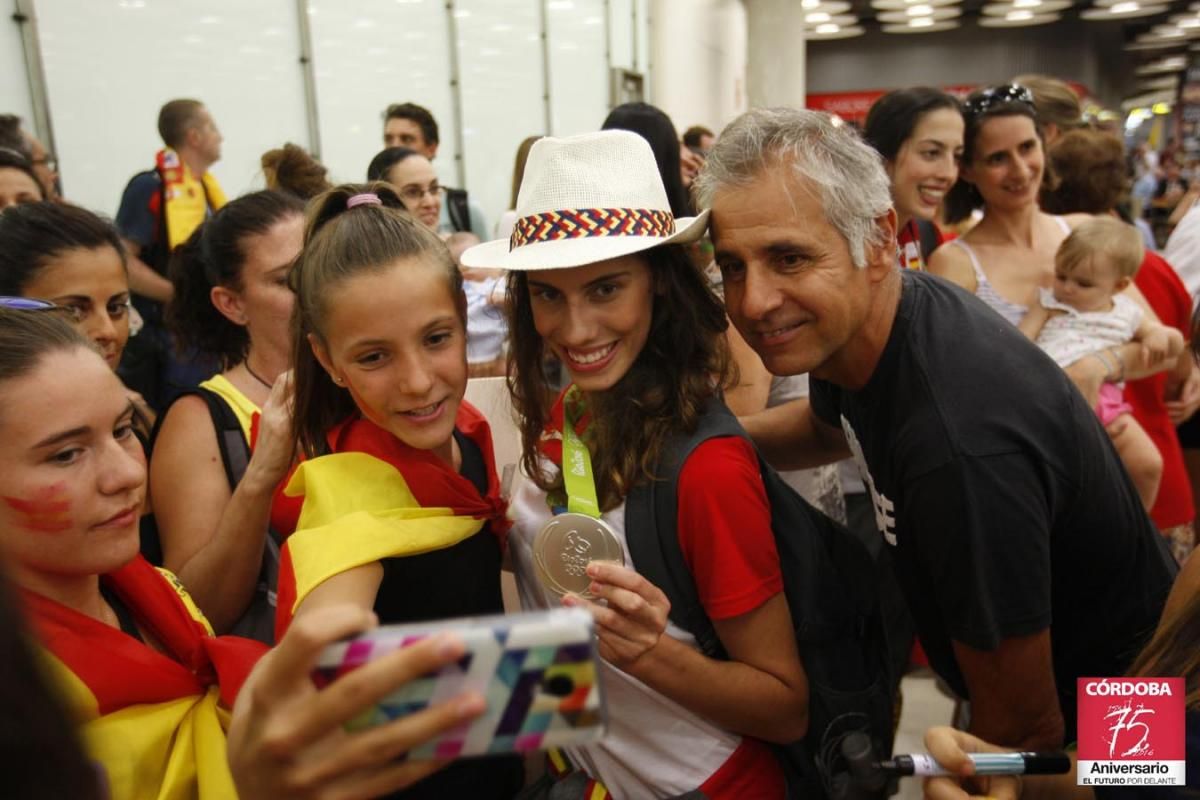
{"x":368,"y":54}
{"x":500,"y":58}
{"x":578,"y":71}
{"x":111,"y":64}
{"x":620,"y":21}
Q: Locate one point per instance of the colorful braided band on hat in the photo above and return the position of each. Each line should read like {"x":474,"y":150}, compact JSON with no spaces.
{"x":579,"y":223}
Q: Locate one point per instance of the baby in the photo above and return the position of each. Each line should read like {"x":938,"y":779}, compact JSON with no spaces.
{"x":1087,"y":313}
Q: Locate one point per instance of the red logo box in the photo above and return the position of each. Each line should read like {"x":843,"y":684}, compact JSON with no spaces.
{"x":1131,"y":732}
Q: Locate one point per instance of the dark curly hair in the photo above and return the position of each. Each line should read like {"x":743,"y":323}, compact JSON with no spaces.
{"x":215,"y":255}
{"x":292,"y":170}
{"x":1092,"y":177}
{"x":684,"y":362}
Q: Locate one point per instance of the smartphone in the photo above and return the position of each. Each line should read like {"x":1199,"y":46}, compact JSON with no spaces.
{"x":539,"y":672}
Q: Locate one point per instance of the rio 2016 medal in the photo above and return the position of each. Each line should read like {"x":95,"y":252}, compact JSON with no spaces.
{"x":566,"y":545}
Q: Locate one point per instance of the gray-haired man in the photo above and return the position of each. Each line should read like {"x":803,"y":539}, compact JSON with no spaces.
{"x":1020,"y":544}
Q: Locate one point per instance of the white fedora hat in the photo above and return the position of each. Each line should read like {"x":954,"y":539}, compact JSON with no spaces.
{"x":584,"y":199}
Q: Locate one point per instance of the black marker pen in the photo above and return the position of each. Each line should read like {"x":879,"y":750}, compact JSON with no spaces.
{"x":924,"y":764}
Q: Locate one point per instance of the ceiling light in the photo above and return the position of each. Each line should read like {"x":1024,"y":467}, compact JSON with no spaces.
{"x":1124,"y":8}
{"x":815,"y":17}
{"x":1017,"y":19}
{"x":921,"y":10}
{"x":921,"y":25}
{"x":1027,"y":3}
{"x":827,"y":28}
{"x":808,"y":5}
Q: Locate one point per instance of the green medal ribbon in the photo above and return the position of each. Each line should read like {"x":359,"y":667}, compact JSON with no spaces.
{"x":577,"y":461}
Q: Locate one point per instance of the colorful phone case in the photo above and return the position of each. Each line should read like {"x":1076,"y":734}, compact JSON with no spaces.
{"x":538,"y":671}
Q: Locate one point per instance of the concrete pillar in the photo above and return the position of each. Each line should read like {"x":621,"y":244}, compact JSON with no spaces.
{"x":775,"y":53}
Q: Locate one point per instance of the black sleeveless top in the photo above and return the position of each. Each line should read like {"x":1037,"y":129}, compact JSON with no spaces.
{"x":458,"y":581}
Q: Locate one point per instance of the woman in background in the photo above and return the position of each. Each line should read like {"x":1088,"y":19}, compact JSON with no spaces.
{"x":919,"y":133}
{"x":212,"y":494}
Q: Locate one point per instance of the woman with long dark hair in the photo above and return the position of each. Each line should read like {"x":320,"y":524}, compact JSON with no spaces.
{"x":600,"y":277}
{"x":212,"y":496}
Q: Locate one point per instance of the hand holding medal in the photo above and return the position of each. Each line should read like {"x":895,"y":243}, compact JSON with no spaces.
{"x":580,"y":558}
{"x":565,"y":546}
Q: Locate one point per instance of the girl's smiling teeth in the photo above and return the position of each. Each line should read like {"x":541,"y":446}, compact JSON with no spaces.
{"x":590,"y":356}
{"x":424,"y":411}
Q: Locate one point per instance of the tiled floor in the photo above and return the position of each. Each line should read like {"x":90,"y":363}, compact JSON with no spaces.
{"x":924,"y":707}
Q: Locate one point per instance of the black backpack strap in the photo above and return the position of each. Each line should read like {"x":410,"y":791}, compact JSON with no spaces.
{"x":458,"y":209}
{"x":231,"y":440}
{"x":930,"y":238}
{"x":656,"y":552}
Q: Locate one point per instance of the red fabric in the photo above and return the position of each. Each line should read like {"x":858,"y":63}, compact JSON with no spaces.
{"x":725,"y":528}
{"x":911,"y":234}
{"x":1170,"y":300}
{"x":431,"y":481}
{"x":751,"y":773}
{"x":121,"y":671}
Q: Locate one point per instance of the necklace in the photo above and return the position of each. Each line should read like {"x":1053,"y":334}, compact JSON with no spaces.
{"x":254,"y":374}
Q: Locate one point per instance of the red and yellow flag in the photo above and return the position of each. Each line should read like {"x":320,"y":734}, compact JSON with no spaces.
{"x":186,"y":199}
{"x":154,"y":720}
{"x":374,"y":497}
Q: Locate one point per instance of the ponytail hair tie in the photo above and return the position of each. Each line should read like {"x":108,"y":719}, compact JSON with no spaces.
{"x":364,"y":199}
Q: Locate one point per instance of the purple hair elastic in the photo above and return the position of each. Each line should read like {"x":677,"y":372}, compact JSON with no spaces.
{"x":364,"y":199}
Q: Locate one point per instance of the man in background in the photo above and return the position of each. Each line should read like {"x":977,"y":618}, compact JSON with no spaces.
{"x":14,"y":137}
{"x":412,"y":126}
{"x":160,"y":208}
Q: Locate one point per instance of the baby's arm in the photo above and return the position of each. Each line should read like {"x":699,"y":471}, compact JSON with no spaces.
{"x":1031,"y":324}
{"x":1159,"y":343}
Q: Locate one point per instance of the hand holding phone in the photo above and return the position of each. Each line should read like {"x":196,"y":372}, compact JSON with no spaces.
{"x":538,"y":673}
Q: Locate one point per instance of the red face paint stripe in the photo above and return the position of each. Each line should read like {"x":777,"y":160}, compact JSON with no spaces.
{"x":38,"y":506}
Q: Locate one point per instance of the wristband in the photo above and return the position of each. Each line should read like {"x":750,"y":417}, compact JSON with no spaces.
{"x":1109,"y":367}
{"x":1115,"y":352}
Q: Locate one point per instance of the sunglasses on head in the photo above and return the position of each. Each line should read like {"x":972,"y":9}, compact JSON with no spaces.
{"x":26,"y":304}
{"x":981,"y":101}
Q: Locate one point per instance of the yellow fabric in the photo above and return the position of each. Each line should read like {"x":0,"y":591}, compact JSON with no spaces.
{"x":241,"y":406}
{"x":164,"y":751}
{"x":167,"y":751}
{"x":186,"y":598}
{"x":186,"y":201}
{"x":357,"y":510}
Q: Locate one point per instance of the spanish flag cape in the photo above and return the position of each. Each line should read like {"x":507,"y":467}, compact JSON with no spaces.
{"x":375,"y":497}
{"x":185,"y":199}
{"x":154,"y":720}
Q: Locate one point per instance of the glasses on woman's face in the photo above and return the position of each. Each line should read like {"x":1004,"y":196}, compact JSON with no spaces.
{"x":27,"y":304}
{"x":984,"y":99}
{"x":413,"y":194}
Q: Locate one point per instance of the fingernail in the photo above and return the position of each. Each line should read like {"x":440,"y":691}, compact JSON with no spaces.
{"x":594,"y":587}
{"x":570,"y":600}
{"x":470,"y":704}
{"x":449,"y":646}
{"x":593,"y":569}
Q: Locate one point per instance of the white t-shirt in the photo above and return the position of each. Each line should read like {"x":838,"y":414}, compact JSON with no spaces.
{"x":1183,"y":251}
{"x":1070,"y":336}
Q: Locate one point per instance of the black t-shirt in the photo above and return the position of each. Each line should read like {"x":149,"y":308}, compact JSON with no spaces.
{"x":458,"y":581}
{"x":1005,"y":504}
